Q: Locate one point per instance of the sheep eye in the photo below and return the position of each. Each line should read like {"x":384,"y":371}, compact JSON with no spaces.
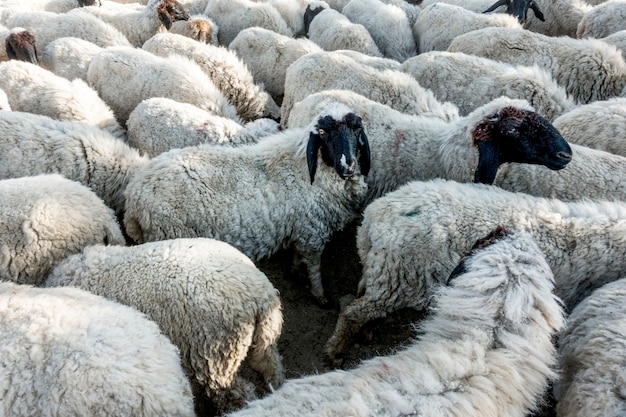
{"x":321,"y":131}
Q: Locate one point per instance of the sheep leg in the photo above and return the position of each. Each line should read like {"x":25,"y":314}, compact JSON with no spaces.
{"x":313,"y":261}
{"x":350,"y":321}
{"x":263,"y":356}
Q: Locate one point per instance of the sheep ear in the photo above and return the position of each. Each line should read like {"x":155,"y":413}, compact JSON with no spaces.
{"x":9,"y":49}
{"x":164,"y":17}
{"x":496,"y":5}
{"x":312,"y":149}
{"x":535,"y":8}
{"x":365,"y":156}
{"x":488,"y":162}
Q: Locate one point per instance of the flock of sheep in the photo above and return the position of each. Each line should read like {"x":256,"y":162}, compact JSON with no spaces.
{"x":152,"y":152}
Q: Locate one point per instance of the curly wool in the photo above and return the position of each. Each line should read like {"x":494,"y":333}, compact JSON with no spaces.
{"x":65,"y":352}
{"x":221,"y":310}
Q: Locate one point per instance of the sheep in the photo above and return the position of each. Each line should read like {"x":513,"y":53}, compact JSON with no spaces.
{"x":412,"y":238}
{"x":180,"y":125}
{"x":321,"y":71}
{"x":66,"y":353}
{"x":485,"y":349}
{"x":69,"y":57}
{"x":54,"y":6}
{"x":48,"y":26}
{"x":260,"y":197}
{"x":599,"y":125}
{"x":124,"y":77}
{"x":518,"y":8}
{"x":439,"y":23}
{"x":589,"y":69}
{"x":591,"y":355}
{"x":33,"y":89}
{"x":46,"y":218}
{"x":32,"y":144}
{"x":234,"y":313}
{"x":603,"y":20}
{"x":407,"y":148}
{"x":139,"y":25}
{"x":291,"y":12}
{"x":268,"y":54}
{"x":233,"y":16}
{"x":18,"y":44}
{"x":618,"y":39}
{"x":388,"y":24}
{"x":333,"y":31}
{"x":199,"y":27}
{"x":470,"y":81}
{"x":550,"y":17}
{"x":227,"y":72}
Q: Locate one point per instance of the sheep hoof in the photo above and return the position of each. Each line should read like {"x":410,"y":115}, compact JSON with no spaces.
{"x":323,"y":302}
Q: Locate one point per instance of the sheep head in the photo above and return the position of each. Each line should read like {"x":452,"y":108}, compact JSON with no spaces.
{"x":84,"y":3}
{"x":170,"y":11}
{"x":517,"y":135}
{"x":312,"y":10}
{"x":342,"y":143}
{"x":519,"y":9}
{"x":495,"y":235}
{"x":21,"y":46}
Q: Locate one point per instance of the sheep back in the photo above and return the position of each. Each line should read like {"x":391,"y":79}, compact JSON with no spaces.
{"x":45,"y":219}
{"x":68,"y":353}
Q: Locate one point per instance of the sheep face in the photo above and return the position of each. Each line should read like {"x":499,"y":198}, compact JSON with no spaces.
{"x":83,"y":3}
{"x":516,"y":135}
{"x":342,"y":144}
{"x":519,"y":9}
{"x":21,"y":46}
{"x":170,"y":11}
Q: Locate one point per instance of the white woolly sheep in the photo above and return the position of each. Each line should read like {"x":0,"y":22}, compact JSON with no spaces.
{"x":31,"y":144}
{"x":388,"y":24}
{"x":124,"y":77}
{"x":618,"y":39}
{"x":233,"y":16}
{"x":321,"y":71}
{"x":46,"y":218}
{"x":228,"y":73}
{"x":589,"y":69}
{"x":412,"y":238}
{"x":139,"y":25}
{"x":599,"y":125}
{"x":591,"y":356}
{"x":198,"y":27}
{"x":55,"y":6}
{"x":268,"y":54}
{"x":48,"y":26}
{"x":292,"y":12}
{"x":469,"y":81}
{"x":260,"y":197}
{"x":603,"y":20}
{"x":67,"y":353}
{"x":550,"y":17}
{"x":221,"y":310}
{"x":470,"y":149}
{"x":332,"y":30}
{"x":18,"y":44}
{"x":33,"y":89}
{"x":69,"y":57}
{"x":484,"y":350}
{"x":160,"y":124}
{"x":439,"y":23}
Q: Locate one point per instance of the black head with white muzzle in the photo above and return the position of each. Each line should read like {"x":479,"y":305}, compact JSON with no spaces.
{"x":517,"y":135}
{"x":342,"y":143}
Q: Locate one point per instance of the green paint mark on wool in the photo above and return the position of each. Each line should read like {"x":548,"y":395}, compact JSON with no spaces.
{"x":412,"y":213}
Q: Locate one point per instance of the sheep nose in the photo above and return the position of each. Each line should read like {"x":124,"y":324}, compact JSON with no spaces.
{"x":566,"y":156}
